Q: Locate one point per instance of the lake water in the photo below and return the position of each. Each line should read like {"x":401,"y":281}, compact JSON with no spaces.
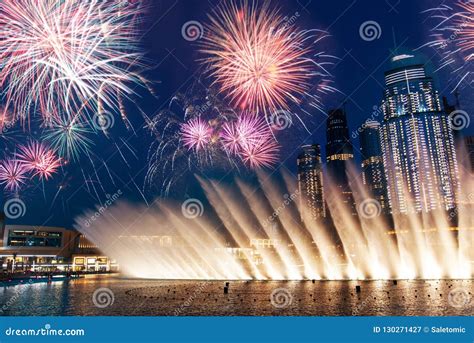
{"x":107,"y":295}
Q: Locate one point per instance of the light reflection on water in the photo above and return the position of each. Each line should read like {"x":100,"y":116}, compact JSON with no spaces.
{"x":323,"y":298}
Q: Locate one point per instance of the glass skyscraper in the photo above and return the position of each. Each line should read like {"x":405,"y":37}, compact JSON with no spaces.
{"x":418,"y":150}
{"x":339,"y":152}
{"x":310,"y":182}
{"x":373,"y":174}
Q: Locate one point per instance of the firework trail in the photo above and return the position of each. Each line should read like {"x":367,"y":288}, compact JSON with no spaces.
{"x":260,"y":61}
{"x":453,"y":36}
{"x":38,"y":159}
{"x":67,"y":57}
{"x":13,"y":174}
{"x":198,"y":131}
{"x":169,"y":159}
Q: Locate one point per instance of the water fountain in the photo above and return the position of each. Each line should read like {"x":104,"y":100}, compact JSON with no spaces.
{"x":245,"y":232}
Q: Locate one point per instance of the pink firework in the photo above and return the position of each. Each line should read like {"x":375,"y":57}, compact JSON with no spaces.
{"x":196,"y":134}
{"x":240,"y":133}
{"x":12,"y":174}
{"x":39,"y":159}
{"x":259,"y":61}
{"x":251,"y":139}
{"x":230,"y":138}
{"x":262,"y":152}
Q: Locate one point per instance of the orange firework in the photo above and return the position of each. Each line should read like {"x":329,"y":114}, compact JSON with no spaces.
{"x":260,"y":61}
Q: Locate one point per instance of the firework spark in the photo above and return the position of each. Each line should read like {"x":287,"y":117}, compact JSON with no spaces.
{"x":251,"y":139}
{"x":453,"y":35}
{"x":69,"y":138}
{"x":13,"y":174}
{"x":262,"y":152}
{"x":196,"y":134}
{"x":260,"y":61}
{"x":67,"y":56}
{"x":38,"y":159}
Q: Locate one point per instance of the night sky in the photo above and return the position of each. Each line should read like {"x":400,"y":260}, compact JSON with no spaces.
{"x":358,"y":75}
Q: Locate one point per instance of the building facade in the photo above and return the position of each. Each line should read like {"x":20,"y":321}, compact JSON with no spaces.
{"x":339,"y":153}
{"x":46,"y":248}
{"x":373,"y":174}
{"x":469,"y":146}
{"x":310,"y":182}
{"x":417,"y":142}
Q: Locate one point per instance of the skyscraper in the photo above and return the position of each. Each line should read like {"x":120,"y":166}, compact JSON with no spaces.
{"x":310,"y":182}
{"x":417,"y":141}
{"x":373,"y":174}
{"x":469,"y":143}
{"x":339,"y":153}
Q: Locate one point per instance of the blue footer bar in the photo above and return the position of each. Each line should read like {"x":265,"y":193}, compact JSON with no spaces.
{"x":237,"y":329}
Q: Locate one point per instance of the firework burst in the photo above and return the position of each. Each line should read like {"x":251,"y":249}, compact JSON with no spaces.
{"x":38,"y":159}
{"x":196,"y":134}
{"x":453,"y":35}
{"x":69,"y":56}
{"x":13,"y":174}
{"x":68,"y":138}
{"x":250,"y":138}
{"x":260,"y":152}
{"x":260,"y":61}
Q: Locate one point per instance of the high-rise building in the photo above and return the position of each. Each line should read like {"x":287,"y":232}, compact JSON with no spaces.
{"x":373,"y":174}
{"x":310,"y":182}
{"x":339,"y":153}
{"x":417,"y":141}
{"x":469,"y":144}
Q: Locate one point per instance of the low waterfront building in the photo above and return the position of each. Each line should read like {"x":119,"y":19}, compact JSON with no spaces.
{"x":46,"y":248}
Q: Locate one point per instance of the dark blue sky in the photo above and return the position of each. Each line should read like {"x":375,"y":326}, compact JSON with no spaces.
{"x":358,"y":75}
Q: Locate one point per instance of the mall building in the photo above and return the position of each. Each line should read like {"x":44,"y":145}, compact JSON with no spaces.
{"x":46,"y":248}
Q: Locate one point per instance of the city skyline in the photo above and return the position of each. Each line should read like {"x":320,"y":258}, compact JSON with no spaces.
{"x":358,"y":77}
